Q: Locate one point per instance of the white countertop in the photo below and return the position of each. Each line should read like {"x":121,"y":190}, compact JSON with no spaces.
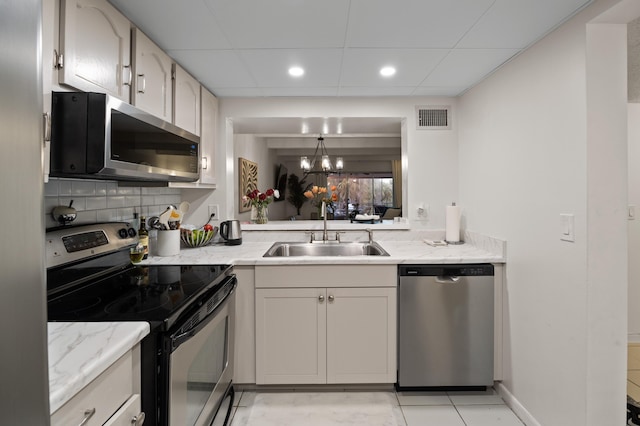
{"x":80,"y":351}
{"x":401,"y":252}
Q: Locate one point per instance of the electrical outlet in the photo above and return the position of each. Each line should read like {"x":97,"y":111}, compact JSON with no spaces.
{"x":422,"y":211}
{"x":214,"y":210}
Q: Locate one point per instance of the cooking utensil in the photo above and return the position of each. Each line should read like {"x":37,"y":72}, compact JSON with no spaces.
{"x":184,"y":207}
{"x":163,"y":219}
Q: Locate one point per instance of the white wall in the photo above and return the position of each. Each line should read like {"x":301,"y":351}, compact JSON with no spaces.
{"x":634,"y":225}
{"x":527,"y":155}
{"x":432,"y":155}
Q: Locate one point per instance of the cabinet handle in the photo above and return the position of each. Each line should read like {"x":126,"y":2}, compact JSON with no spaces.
{"x":331,"y":298}
{"x":138,"y":420}
{"x":87,"y":415}
{"x":126,"y":81}
{"x":46,"y":124}
{"x":141,"y":86}
{"x":321,"y":298}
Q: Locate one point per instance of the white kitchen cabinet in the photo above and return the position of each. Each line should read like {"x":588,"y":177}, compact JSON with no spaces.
{"x":291,"y":342}
{"x":361,"y":335}
{"x":244,"y":366}
{"x":345,"y":333}
{"x":95,"y":44}
{"x":208,"y":141}
{"x":208,"y":136}
{"x":152,"y":84}
{"x":112,"y":398}
{"x":186,"y":100}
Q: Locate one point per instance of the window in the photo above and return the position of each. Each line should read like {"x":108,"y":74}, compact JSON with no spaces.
{"x":362,"y":193}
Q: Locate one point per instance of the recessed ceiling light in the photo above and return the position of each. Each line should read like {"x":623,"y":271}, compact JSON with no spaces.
{"x":387,"y":71}
{"x":296,"y":71}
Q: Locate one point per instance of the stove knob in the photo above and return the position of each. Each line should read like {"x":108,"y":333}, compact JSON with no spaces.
{"x":131,"y":232}
{"x":122,"y":233}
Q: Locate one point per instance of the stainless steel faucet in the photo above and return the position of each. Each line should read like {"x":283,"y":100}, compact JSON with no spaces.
{"x":370,"y":231}
{"x":323,"y":213}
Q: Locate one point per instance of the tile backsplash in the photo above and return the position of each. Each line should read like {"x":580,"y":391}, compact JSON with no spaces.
{"x":105,"y":201}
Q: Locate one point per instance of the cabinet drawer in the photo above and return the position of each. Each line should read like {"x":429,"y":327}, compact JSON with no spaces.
{"x":105,"y":394}
{"x":127,"y":413}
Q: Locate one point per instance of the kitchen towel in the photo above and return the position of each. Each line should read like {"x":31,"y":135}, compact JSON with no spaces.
{"x":452,"y":234}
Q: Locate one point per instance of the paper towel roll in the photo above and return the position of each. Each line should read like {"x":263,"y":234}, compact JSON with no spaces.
{"x":452,"y":233}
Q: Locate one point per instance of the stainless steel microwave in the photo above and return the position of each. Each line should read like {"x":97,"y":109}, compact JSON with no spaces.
{"x":97,"y":136}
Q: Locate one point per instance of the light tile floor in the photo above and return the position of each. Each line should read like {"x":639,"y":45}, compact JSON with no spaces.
{"x":296,"y":408}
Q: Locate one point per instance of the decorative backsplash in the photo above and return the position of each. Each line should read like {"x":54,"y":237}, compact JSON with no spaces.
{"x":105,"y":201}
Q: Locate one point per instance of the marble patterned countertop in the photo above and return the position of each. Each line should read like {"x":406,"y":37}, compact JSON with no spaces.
{"x":400,"y":252}
{"x":80,"y":351}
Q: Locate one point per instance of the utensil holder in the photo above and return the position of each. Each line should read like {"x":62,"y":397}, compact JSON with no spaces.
{"x":168,"y":243}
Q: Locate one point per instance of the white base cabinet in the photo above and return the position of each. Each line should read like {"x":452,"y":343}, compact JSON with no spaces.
{"x":112,"y":398}
{"x":291,"y":330}
{"x":314,"y":335}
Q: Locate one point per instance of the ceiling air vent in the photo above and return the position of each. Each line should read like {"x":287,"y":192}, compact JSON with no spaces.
{"x":433,"y":117}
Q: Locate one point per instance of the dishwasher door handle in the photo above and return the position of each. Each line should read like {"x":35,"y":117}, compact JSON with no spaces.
{"x":449,"y":279}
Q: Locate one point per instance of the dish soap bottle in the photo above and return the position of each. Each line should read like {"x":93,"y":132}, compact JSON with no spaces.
{"x":143,"y":236}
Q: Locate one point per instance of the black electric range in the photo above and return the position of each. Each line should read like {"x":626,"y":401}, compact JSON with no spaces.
{"x":90,"y":278}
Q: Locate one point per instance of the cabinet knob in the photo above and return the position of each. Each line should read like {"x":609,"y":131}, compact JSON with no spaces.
{"x":321,"y":298}
{"x":331,"y":298}
{"x":138,"y":420}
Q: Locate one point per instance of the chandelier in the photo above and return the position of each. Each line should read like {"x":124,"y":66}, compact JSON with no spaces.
{"x":325,"y":163}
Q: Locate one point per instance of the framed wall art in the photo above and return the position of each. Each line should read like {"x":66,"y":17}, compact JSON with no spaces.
{"x":248,"y":173}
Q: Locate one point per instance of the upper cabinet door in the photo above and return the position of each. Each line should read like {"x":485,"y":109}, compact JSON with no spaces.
{"x":186,"y":100}
{"x":95,"y":40}
{"x":152,"y":89}
{"x":208,"y":136}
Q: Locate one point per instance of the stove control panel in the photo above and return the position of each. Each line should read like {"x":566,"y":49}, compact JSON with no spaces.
{"x":73,"y":243}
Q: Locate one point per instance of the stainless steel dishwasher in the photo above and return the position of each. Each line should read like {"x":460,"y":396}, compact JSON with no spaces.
{"x":445,"y":326}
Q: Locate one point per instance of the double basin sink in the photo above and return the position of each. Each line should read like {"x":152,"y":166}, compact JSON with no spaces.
{"x":325,"y":248}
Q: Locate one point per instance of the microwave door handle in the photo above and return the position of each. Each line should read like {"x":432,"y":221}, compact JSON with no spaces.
{"x":178,"y":340}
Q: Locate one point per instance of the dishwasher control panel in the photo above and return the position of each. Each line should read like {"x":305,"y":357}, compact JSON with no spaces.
{"x":470,"y":270}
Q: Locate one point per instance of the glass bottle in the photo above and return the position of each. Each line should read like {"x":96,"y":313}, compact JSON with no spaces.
{"x":143,"y":236}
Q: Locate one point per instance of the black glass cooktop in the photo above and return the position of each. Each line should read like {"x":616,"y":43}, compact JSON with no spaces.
{"x":137,"y":293}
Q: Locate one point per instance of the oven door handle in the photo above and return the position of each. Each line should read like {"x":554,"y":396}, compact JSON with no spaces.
{"x":177,"y":340}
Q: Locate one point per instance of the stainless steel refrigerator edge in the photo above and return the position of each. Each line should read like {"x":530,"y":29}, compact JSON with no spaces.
{"x":24,"y":394}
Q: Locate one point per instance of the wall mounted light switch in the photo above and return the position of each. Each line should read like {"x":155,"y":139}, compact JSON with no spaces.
{"x":567,"y":232}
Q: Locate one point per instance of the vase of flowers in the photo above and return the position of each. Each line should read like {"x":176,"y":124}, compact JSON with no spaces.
{"x":259,"y":202}
{"x":319,"y":195}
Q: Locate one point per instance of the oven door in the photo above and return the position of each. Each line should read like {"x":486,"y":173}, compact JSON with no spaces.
{"x":201,"y":368}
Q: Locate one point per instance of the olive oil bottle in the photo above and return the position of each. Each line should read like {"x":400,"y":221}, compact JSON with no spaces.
{"x":143,"y":236}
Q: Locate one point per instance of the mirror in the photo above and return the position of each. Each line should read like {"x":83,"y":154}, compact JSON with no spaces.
{"x":371,"y":149}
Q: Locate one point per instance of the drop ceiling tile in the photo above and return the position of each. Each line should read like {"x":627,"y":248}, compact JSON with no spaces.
{"x":282,"y":23}
{"x":466,"y":67}
{"x":215,"y":68}
{"x":361,"y":67}
{"x":171,"y":24}
{"x":518,"y":23}
{"x":270,"y":66}
{"x":375,"y":91}
{"x":236,"y":92}
{"x":412,"y":23}
{"x":300,"y":91}
{"x":438,"y":91}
